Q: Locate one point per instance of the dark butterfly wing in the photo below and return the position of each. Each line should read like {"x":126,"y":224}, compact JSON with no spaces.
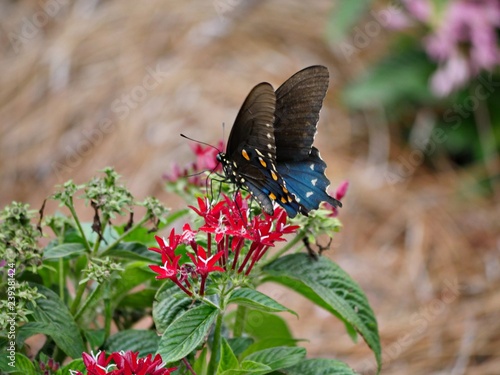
{"x":253,"y":126}
{"x":251,"y":151}
{"x":298,"y":103}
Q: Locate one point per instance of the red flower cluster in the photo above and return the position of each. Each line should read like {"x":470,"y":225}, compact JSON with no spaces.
{"x":125,"y":363}
{"x":205,"y":161}
{"x":229,"y":225}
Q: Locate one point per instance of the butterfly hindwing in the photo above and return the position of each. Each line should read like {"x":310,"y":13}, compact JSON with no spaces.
{"x":261,"y":178}
{"x":307,"y":181}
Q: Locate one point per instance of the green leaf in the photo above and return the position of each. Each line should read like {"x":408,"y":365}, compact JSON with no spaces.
{"x":200,"y":364}
{"x":134,"y":274}
{"x":95,"y":337}
{"x":239,"y":344}
{"x":261,"y":325}
{"x":186,"y":333}
{"x":269,"y":343}
{"x":76,"y":365}
{"x":228,"y":360}
{"x":343,"y":18}
{"x":132,"y":251}
{"x":21,"y":365}
{"x":64,"y":250}
{"x":277,"y":358}
{"x":320,"y":366}
{"x":327,"y":285}
{"x":143,"y":341}
{"x":52,"y":317}
{"x":171,"y":304}
{"x":139,"y":300}
{"x":256,"y":300}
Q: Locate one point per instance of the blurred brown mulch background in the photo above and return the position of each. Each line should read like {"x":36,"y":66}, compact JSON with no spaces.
{"x":88,"y":84}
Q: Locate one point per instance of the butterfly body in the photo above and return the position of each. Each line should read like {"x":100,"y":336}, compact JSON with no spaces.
{"x":270,"y":152}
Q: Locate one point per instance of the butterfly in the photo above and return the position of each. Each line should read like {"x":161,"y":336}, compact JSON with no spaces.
{"x":269,"y":151}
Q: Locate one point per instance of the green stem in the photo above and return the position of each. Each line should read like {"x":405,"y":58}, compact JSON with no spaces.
{"x":107,"y":312}
{"x":239,"y":324}
{"x":77,"y":221}
{"x":61,"y":278}
{"x":88,"y":301}
{"x":216,"y":346}
{"x":78,"y":298}
{"x":208,"y":302}
{"x":97,"y":243}
{"x":123,"y":235}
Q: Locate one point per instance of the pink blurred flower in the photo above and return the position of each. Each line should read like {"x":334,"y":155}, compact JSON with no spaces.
{"x":339,"y":194}
{"x":205,"y":161}
{"x":463,"y":39}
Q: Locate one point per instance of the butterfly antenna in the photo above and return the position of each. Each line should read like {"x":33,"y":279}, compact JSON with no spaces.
{"x":200,"y":142}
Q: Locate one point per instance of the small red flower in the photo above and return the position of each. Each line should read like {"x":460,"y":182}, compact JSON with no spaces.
{"x":168,"y":250}
{"x":170,"y":262}
{"x":205,"y":265}
{"x":97,"y":364}
{"x":125,"y":363}
{"x":169,"y":268}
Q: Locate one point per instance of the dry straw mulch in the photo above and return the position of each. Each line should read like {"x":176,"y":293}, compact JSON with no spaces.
{"x":88,"y":84}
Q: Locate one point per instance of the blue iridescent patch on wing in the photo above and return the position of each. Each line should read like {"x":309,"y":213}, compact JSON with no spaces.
{"x":306,"y":180}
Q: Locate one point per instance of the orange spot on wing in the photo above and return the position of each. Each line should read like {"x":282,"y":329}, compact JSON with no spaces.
{"x":245,"y":154}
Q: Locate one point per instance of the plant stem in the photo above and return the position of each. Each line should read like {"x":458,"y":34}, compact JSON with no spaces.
{"x":77,"y":221}
{"x":239,"y":324}
{"x":97,"y":243}
{"x":216,"y":346}
{"x":188,"y":366}
{"x":123,"y":235}
{"x":88,"y":301}
{"x":61,"y":278}
{"x":78,"y":298}
{"x":107,"y":312}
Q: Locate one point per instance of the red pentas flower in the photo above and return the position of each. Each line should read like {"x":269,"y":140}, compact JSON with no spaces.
{"x":205,"y":264}
{"x":240,"y":241}
{"x":125,"y":363}
{"x":170,"y":262}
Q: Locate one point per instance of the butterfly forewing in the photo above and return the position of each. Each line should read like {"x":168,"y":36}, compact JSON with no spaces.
{"x":298,"y":103}
{"x":253,"y":127}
